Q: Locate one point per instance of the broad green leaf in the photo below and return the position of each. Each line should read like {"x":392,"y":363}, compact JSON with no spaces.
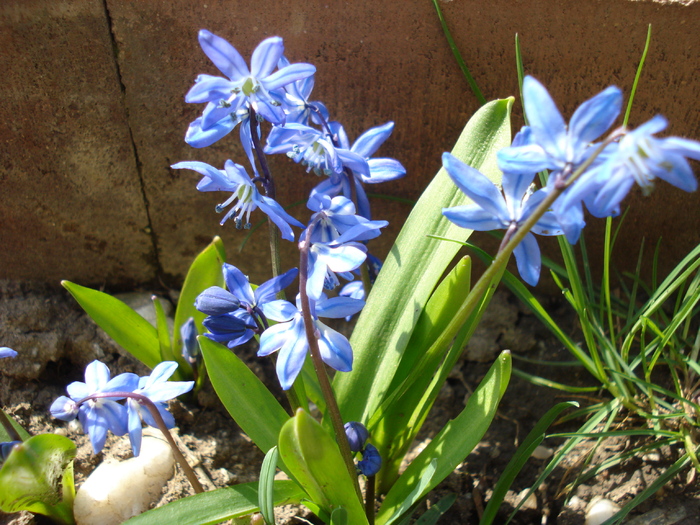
{"x":204,"y":272}
{"x":267,"y":485}
{"x":32,"y":478}
{"x":249,"y":402}
{"x":313,"y":458}
{"x":395,"y":425}
{"x":455,"y":441}
{"x":413,"y":268}
{"x":517,"y":462}
{"x":4,"y":436}
{"x":128,"y":329}
{"x":209,"y":508}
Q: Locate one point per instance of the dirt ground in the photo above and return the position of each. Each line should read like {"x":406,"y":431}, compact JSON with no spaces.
{"x":55,"y":341}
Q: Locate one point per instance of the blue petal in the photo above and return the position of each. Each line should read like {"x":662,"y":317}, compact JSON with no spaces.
{"x":383,"y":170}
{"x":287,"y":75}
{"x":523,"y":159}
{"x":547,"y":124}
{"x":279,"y":310}
{"x":527,"y":257}
{"x":473,"y":217}
{"x":274,"y":338}
{"x":476,"y":186}
{"x":126,"y":382}
{"x":160,"y":374}
{"x":96,"y":376}
{"x":238,"y":284}
{"x":135,"y":427}
{"x":292,"y":355}
{"x":208,"y":88}
{"x":370,"y":141}
{"x":7,"y":352}
{"x":200,"y":138}
{"x":268,"y":290}
{"x":223,"y":55}
{"x":214,"y":113}
{"x":339,"y":307}
{"x":266,"y":57}
{"x":64,"y":409}
{"x":335,"y":349}
{"x":594,"y":117}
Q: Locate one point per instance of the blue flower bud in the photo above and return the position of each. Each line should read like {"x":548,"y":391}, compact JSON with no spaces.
{"x":371,"y":461}
{"x":357,"y":435}
{"x":6,"y":448}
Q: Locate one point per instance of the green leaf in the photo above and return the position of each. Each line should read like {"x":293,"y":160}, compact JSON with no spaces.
{"x":4,"y":436}
{"x":517,"y":462}
{"x":209,"y":508}
{"x":248,"y":401}
{"x":204,"y":272}
{"x":436,"y":511}
{"x":339,"y":517}
{"x":267,"y":485}
{"x":455,"y":441}
{"x":166,"y":351}
{"x":128,"y":329}
{"x":413,"y":268}
{"x":32,"y":478}
{"x":416,"y":494}
{"x":314,"y":459}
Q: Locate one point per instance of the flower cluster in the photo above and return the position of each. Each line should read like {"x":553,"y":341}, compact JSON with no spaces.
{"x":598,"y":175}
{"x":333,"y":241}
{"x":95,"y":402}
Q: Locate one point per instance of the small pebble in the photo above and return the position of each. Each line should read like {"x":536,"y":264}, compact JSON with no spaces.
{"x":542,"y":452}
{"x":599,"y":510}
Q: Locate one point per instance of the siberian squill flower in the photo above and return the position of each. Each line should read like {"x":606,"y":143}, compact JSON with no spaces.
{"x":7,"y":352}
{"x":556,"y":146}
{"x":335,"y":217}
{"x":234,"y":178}
{"x":494,"y":210}
{"x":289,"y":336}
{"x":227,"y":309}
{"x":641,"y":158}
{"x":190,"y":347}
{"x":357,"y":434}
{"x":259,"y":87}
{"x":296,"y":103}
{"x":159,"y":390}
{"x":380,"y":170}
{"x":314,"y":149}
{"x":371,"y":461}
{"x":101,"y":414}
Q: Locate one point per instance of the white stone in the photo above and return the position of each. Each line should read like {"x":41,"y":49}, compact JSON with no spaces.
{"x":117,"y":491}
{"x":599,"y":510}
{"x":541,"y":452}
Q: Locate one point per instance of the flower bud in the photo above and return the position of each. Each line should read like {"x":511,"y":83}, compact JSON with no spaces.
{"x":357,"y":435}
{"x":371,"y":461}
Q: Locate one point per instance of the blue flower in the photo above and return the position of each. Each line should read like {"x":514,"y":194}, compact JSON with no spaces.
{"x":159,"y":390}
{"x":289,"y":336}
{"x":296,"y":101}
{"x":495,"y":210}
{"x":336,"y":217}
{"x":327,"y":259}
{"x":641,"y":158}
{"x":554,"y":145}
{"x":313,"y":149}
{"x":371,"y":461}
{"x":234,"y":178}
{"x":7,"y":352}
{"x":6,"y":447}
{"x":378,"y":170}
{"x":258,"y":87}
{"x":101,"y":414}
{"x":236,"y":312}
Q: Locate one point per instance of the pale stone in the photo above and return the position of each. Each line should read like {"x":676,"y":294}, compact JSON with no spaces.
{"x":599,"y":510}
{"x":117,"y":491}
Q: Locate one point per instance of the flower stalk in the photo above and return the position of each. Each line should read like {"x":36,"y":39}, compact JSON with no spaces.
{"x":324,"y":382}
{"x":144,"y":400}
